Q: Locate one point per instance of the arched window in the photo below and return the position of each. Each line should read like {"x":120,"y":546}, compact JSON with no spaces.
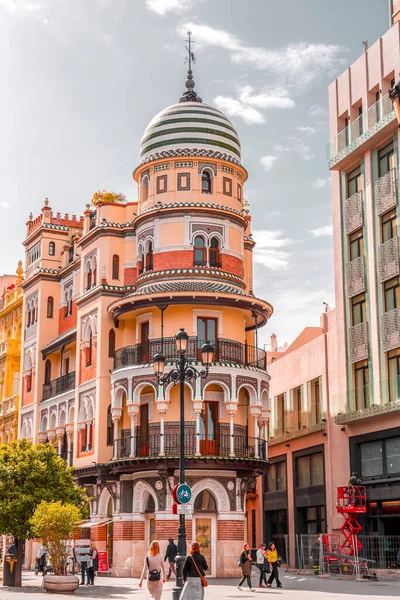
{"x":115,"y":266}
{"x":94,"y":273}
{"x":110,"y":428}
{"x":149,"y":258}
{"x":50,"y":307}
{"x":111,"y":343}
{"x":89,"y":280}
{"x":28,"y":316}
{"x":52,"y":249}
{"x":89,"y":350}
{"x":47,"y":371}
{"x":206,"y":183}
{"x":33,"y":317}
{"x":200,"y":258}
{"x":145,"y":188}
{"x":15,"y":388}
{"x":214,"y":253}
{"x":205,"y":502}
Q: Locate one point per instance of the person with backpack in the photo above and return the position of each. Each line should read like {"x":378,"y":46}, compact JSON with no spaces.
{"x":262,"y":564}
{"x":272,"y":556}
{"x":152,"y":569}
{"x":246,"y":562}
{"x":170,"y":555}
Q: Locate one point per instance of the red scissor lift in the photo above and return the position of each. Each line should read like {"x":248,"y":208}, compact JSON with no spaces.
{"x":351,"y":502}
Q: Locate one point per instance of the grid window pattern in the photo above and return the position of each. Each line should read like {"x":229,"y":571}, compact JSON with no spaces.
{"x":310,"y":470}
{"x":380,"y":458}
{"x":276,"y":479}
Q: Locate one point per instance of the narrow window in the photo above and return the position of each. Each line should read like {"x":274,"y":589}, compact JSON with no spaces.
{"x":47,"y":372}
{"x":389,"y":226}
{"x":29,"y":381}
{"x":115,"y":266}
{"x":206,"y":183}
{"x":227,"y":186}
{"x":89,"y":280}
{"x":110,"y":429}
{"x":392,"y":294}
{"x":394,"y":375}
{"x":239,"y":192}
{"x":89,"y":351}
{"x":199,"y":252}
{"x":94,"y":276}
{"x":358,"y":309}
{"x":361,"y":392}
{"x":149,"y":258}
{"x":183,"y":182}
{"x":111,"y":343}
{"x":52,"y":249}
{"x":50,"y":307}
{"x":214,"y":253}
{"x":161,"y":184}
{"x":145,"y":188}
{"x":356,"y":245}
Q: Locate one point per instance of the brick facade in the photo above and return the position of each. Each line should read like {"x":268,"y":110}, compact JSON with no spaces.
{"x":128,"y":530}
{"x":230,"y":530}
{"x":65,"y":324}
{"x":130,"y":275}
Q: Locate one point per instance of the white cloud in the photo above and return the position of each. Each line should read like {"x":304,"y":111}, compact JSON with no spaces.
{"x":307,"y":130}
{"x":162,"y":7}
{"x":296,"y":144}
{"x":319,"y":183}
{"x":327,"y":230}
{"x":274,"y":98}
{"x":4,"y":204}
{"x":234,"y":108}
{"x":317,"y":111}
{"x":268,"y":251}
{"x":19,"y":6}
{"x":300,"y":63}
{"x":267,"y":162}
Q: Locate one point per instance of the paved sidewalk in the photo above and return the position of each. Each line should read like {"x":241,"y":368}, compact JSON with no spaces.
{"x":296,"y":587}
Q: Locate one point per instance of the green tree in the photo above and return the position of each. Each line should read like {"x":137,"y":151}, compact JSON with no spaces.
{"x":52,"y":522}
{"x":30,"y":475}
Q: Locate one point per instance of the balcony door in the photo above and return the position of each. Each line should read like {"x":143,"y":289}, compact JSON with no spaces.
{"x":144,"y":341}
{"x":207,"y":331}
{"x":209,"y":429}
{"x":144,"y":430}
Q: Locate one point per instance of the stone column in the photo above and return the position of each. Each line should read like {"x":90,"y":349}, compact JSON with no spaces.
{"x":162,"y":407}
{"x":197,"y":407}
{"x":60,"y":435}
{"x":255,"y":411}
{"x":133,"y":411}
{"x":232,"y":408}
{"x":116,"y":414}
{"x":162,"y":436}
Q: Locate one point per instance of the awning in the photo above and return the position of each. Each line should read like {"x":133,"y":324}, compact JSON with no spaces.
{"x":92,"y":525}
{"x":59,"y":342}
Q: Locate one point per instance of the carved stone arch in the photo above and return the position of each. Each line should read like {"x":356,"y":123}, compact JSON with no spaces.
{"x":210,"y":167}
{"x":202,"y":234}
{"x":104,"y":499}
{"x":23,"y":430}
{"x":83,"y":410}
{"x":44,"y":424}
{"x":141,"y":493}
{"x":265,"y":399}
{"x":71,"y":414}
{"x":88,"y":265}
{"x":171,"y":385}
{"x":53,"y":419}
{"x":90,"y":409}
{"x":61,"y":417}
{"x":29,"y":428}
{"x":218,"y":236}
{"x":218,"y":491}
{"x":140,"y":250}
{"x":148,"y":240}
{"x":138,"y":389}
{"x":119,"y":392}
{"x":227,"y":392}
{"x":252,"y":391}
{"x":29,"y":359}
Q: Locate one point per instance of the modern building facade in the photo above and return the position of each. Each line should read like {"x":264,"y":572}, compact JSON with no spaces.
{"x":10,"y":354}
{"x":104,"y":293}
{"x":364,"y":164}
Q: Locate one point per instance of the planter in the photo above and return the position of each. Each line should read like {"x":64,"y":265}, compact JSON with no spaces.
{"x":60,"y":583}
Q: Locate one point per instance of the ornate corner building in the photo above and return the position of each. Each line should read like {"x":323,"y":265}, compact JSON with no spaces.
{"x":10,"y":355}
{"x":104,"y":293}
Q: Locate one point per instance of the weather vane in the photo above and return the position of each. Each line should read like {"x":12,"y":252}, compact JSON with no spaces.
{"x":190,"y":57}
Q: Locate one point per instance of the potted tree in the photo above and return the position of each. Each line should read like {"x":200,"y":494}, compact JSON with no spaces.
{"x":52,"y":522}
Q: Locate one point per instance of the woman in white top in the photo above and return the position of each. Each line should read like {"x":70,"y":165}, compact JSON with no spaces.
{"x":153,"y":570}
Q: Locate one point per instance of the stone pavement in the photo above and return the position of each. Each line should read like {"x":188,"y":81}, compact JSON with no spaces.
{"x":296,"y":587}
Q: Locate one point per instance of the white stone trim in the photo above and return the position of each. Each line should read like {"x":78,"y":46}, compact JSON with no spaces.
{"x":217,"y":489}
{"x":142,"y":319}
{"x":213,"y":314}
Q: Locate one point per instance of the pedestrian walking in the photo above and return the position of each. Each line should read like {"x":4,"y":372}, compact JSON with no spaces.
{"x":193,"y":572}
{"x":93,"y":566}
{"x":153,"y":568}
{"x":272,"y":556}
{"x":170,"y":555}
{"x":246,"y":563}
{"x":262,"y":564}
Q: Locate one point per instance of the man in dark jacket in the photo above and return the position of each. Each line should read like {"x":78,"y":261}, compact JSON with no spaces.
{"x":170,"y":555}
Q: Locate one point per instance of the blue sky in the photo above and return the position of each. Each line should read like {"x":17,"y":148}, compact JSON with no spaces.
{"x":82,"y":78}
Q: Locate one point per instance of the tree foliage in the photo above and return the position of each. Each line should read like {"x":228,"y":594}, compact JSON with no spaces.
{"x":29,"y":475}
{"x":52,"y":522}
{"x":110,"y":197}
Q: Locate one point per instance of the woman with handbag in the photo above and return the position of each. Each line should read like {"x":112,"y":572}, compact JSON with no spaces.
{"x":193,"y":574}
{"x":272,"y":556}
{"x":152,"y":569}
{"x":246,"y":564}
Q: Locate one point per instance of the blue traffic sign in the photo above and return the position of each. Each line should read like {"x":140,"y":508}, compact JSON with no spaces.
{"x":184,"y":493}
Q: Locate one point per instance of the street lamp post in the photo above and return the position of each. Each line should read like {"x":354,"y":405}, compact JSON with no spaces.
{"x":181,"y":373}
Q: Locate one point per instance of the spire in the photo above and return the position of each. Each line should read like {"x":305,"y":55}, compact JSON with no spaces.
{"x":190,"y":95}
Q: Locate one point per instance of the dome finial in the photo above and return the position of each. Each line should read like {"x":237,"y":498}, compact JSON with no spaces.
{"x":190,"y":95}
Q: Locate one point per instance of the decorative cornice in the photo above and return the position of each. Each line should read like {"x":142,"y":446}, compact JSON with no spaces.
{"x":365,"y":413}
{"x":296,"y":434}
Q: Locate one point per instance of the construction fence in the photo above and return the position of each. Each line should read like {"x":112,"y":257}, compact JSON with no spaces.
{"x":368,"y":557}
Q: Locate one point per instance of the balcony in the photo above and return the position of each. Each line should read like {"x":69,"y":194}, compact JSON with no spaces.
{"x":149,"y":446}
{"x":360,"y":130}
{"x":225,"y":351}
{"x":358,"y":337}
{"x":58,"y":386}
{"x":208,"y":264}
{"x":386,"y":192}
{"x":8,"y":406}
{"x":391,"y":330}
{"x":388,"y":259}
{"x":10,"y":347}
{"x":355,"y":277}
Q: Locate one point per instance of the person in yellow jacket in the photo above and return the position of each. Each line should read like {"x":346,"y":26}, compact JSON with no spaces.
{"x":272,"y":557}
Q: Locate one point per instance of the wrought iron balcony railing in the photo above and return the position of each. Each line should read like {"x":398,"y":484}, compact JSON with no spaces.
{"x":149,"y":446}
{"x":59,"y":386}
{"x":225,"y":351}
